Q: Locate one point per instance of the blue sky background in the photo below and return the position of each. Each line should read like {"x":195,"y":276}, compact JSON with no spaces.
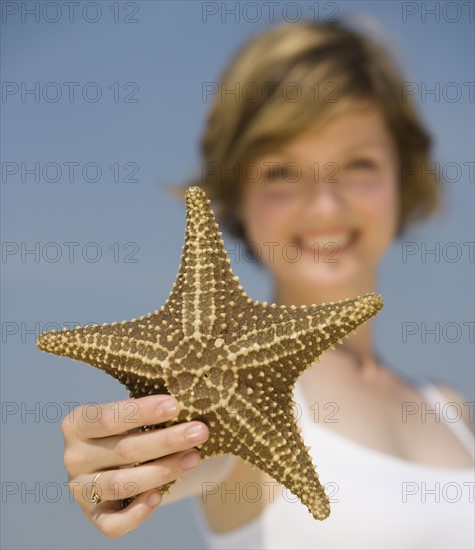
{"x":169,"y":52}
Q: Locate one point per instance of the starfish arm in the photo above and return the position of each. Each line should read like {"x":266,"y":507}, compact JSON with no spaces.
{"x":303,"y":333}
{"x":325,"y":325}
{"x":205,"y":282}
{"x":130,"y":351}
{"x":265,"y":434}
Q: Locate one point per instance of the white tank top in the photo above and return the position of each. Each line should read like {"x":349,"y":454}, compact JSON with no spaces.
{"x":377,"y":500}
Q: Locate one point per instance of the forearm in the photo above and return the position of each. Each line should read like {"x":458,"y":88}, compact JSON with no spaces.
{"x":212,"y":470}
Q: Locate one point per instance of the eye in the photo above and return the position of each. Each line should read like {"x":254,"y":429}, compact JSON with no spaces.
{"x":275,"y":173}
{"x":362,"y":163}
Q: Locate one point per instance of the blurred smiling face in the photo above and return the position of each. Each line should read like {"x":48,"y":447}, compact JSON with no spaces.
{"x":328,"y":202}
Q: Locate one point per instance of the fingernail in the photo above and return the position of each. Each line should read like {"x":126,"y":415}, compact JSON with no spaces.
{"x":195,"y":432}
{"x":190,"y":460}
{"x":154,"y":499}
{"x":169,"y":407}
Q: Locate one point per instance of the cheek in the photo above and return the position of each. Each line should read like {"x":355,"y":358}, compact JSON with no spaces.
{"x":266,"y":225}
{"x":381,"y":215}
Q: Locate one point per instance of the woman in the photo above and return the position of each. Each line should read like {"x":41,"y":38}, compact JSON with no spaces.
{"x":319,"y":163}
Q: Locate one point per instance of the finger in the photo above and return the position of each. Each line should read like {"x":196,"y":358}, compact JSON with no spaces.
{"x":129,"y":482}
{"x":114,"y":522}
{"x":139,"y":447}
{"x":105,"y":419}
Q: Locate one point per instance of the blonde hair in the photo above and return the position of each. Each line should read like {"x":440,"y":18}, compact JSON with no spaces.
{"x":333,"y":67}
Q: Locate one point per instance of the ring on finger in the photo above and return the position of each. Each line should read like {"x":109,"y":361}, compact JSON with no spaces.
{"x":95,"y":490}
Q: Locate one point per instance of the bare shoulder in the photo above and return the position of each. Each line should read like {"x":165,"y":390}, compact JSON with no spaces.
{"x":467,"y":407}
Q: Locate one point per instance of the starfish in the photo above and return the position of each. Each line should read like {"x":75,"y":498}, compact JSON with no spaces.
{"x":230,"y":361}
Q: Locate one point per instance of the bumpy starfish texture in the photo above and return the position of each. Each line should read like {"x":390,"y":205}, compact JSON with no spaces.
{"x":230,"y":361}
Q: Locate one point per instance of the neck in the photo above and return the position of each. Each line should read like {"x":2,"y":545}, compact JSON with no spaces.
{"x":358,"y":348}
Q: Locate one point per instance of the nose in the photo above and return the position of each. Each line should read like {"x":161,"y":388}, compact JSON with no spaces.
{"x":323,"y":198}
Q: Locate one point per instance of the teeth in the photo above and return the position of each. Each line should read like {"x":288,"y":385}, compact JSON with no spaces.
{"x":338,"y":240}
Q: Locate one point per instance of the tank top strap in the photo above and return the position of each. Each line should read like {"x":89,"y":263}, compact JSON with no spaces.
{"x":438,"y":401}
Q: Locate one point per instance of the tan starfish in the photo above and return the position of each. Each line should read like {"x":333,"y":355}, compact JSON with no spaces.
{"x":230,"y":361}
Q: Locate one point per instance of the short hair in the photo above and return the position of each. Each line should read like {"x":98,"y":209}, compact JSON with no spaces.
{"x":336,"y":67}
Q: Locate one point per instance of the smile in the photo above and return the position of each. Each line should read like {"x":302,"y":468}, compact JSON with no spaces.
{"x":336,"y":241}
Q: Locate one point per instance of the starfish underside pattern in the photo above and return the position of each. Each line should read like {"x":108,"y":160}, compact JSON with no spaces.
{"x":230,"y":361}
